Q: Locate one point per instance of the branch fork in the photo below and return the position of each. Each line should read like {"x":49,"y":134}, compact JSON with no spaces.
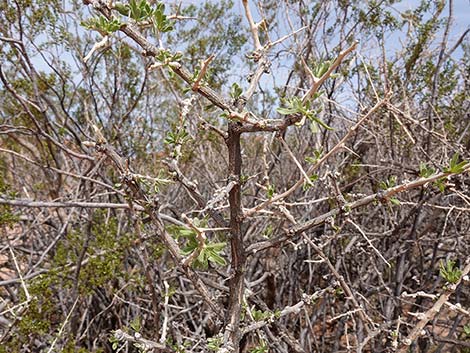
{"x":202,"y":72}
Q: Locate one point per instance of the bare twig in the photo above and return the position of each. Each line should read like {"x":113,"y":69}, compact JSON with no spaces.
{"x":165,"y":314}
{"x":51,"y":348}
{"x":431,"y":313}
{"x":379,"y":196}
{"x":144,"y":343}
{"x":344,"y":285}
{"x":103,"y":43}
{"x":18,"y":269}
{"x":335,"y":149}
{"x":369,"y":242}
{"x":299,"y":166}
{"x":253,"y":26}
{"x":202,"y":72}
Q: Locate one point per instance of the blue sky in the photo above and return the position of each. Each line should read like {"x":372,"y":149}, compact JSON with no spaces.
{"x":461,"y":23}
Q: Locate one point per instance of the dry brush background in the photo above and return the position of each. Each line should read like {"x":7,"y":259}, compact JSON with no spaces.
{"x":260,"y":176}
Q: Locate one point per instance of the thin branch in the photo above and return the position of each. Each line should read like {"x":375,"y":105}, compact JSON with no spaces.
{"x":253,"y":26}
{"x":202,"y":72}
{"x":195,"y":194}
{"x":431,"y":313}
{"x":66,"y":204}
{"x":25,"y":288}
{"x":136,"y":193}
{"x":294,"y":309}
{"x":103,"y":43}
{"x":335,"y":149}
{"x":70,"y":204}
{"x":165,"y":313}
{"x":287,"y":36}
{"x":51,"y":348}
{"x":381,"y":196}
{"x":60,"y":171}
{"x":144,"y":343}
{"x":369,"y":242}
{"x":317,"y":82}
{"x":453,"y":307}
{"x":346,"y":288}
{"x":296,"y":162}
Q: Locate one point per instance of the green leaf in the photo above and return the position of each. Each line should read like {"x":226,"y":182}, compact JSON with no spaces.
{"x":310,"y":160}
{"x":259,"y":315}
{"x":102,"y":25}
{"x":395,"y":201}
{"x":320,"y":122}
{"x":214,"y":343}
{"x":216,"y":246}
{"x":268,"y":231}
{"x":123,"y":9}
{"x":440,"y":184}
{"x":286,"y":111}
{"x":235,"y":91}
{"x":225,"y":115}
{"x":187,"y":233}
{"x":454,"y":160}
{"x":466,"y":330}
{"x":134,"y":10}
{"x":202,"y":259}
{"x":425,"y":171}
{"x":317,"y":155}
{"x":321,"y":68}
{"x":214,"y":257}
{"x":164,"y":56}
{"x":314,"y":127}
{"x":295,"y":105}
{"x":317,"y":94}
{"x":389,"y":183}
{"x":455,"y":166}
{"x":449,"y":271}
{"x":160,"y":20}
{"x":140,"y":11}
{"x":135,"y":324}
{"x":270,"y":191}
{"x":243,"y":179}
{"x":313,"y":177}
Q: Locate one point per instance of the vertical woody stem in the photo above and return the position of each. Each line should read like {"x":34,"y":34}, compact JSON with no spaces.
{"x":232,"y":334}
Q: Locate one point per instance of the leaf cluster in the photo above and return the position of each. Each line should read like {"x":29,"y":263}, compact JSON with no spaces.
{"x":295,"y":105}
{"x":142,"y":10}
{"x":102,"y":25}
{"x":321,"y":68}
{"x":208,"y":252}
{"x":389,"y":183}
{"x":174,"y":138}
{"x":455,"y":166}
{"x":450,"y":271}
{"x":259,"y":315}
{"x":425,"y":171}
{"x":165,"y":56}
{"x":214,"y":343}
{"x":235,"y":91}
